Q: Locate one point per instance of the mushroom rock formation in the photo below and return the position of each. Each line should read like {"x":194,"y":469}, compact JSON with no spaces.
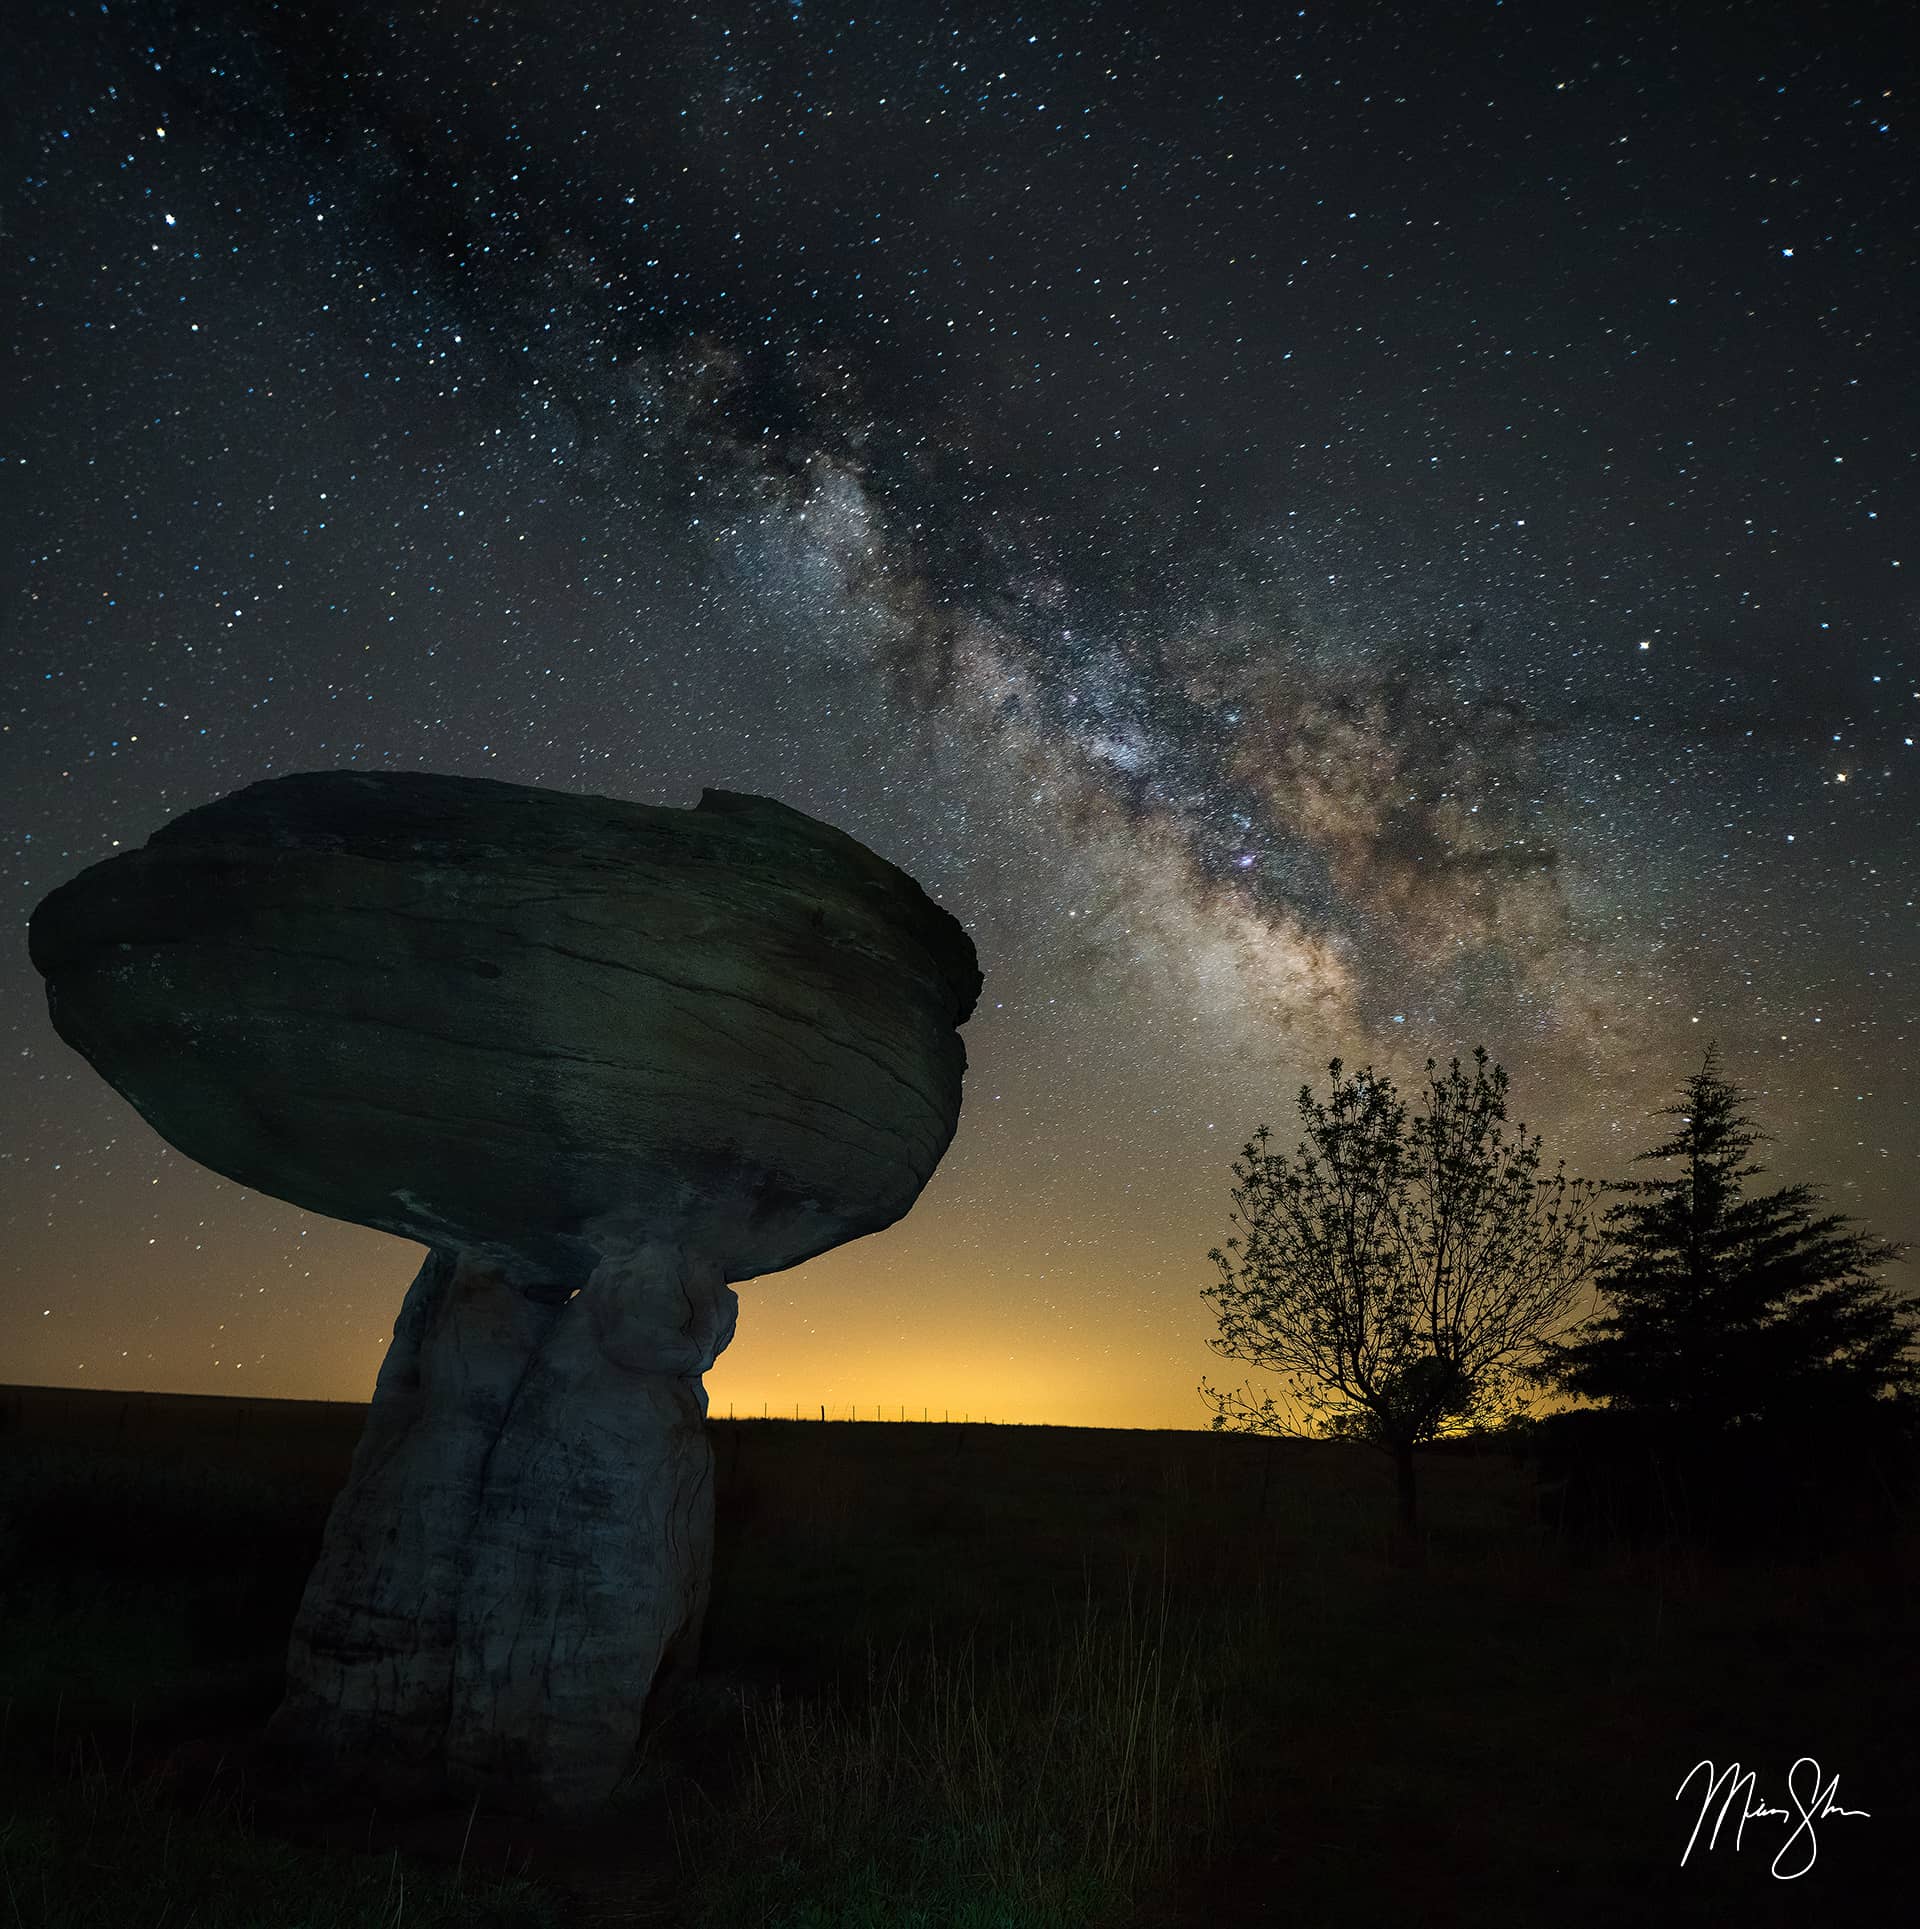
{"x":602,"y":1059}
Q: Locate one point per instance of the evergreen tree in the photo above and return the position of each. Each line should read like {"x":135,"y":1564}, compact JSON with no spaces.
{"x":1721,"y":1307}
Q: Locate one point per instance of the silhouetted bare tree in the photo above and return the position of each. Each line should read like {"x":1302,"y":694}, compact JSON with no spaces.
{"x":1398,"y":1273}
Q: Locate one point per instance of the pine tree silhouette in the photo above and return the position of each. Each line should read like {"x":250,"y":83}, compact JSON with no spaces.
{"x":1721,"y":1308}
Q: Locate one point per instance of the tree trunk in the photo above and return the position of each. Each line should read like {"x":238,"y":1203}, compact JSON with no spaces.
{"x":526,"y":1535}
{"x":1409,"y":1497}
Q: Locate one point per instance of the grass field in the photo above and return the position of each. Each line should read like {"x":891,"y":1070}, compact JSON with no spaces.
{"x":971,"y":1677}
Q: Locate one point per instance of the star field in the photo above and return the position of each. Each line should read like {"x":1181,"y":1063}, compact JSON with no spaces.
{"x":1308,"y":531}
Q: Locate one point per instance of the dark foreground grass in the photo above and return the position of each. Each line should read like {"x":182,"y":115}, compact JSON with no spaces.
{"x":97,"y":1846}
{"x":985,"y":1678}
{"x":1043,"y":1783}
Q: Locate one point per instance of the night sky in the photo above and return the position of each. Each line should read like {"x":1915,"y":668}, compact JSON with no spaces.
{"x":1343,"y":531}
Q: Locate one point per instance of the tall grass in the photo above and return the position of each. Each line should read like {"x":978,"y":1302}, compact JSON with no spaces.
{"x":96,"y":1846}
{"x":1037,"y":1785}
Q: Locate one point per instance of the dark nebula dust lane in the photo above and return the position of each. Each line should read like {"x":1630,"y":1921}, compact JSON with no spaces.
{"x":1309,"y":534}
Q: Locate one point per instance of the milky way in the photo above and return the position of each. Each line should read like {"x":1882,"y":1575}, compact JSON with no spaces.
{"x":1308,"y":536}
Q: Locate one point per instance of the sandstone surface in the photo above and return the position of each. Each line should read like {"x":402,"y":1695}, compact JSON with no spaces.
{"x":602,"y":1059}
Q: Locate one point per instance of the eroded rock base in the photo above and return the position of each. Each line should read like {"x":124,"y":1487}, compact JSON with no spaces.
{"x":525,"y":1539}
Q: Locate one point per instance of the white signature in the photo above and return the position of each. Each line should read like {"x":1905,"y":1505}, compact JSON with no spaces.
{"x":1814,"y":1802}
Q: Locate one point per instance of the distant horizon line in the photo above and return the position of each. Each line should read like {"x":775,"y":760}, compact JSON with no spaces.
{"x":807,"y":1413}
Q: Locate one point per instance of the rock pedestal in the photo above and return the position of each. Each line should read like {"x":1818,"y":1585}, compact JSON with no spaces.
{"x":525,"y":1538}
{"x":601,"y":1060}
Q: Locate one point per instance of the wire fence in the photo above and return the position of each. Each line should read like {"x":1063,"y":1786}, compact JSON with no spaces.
{"x":894,"y":1415}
